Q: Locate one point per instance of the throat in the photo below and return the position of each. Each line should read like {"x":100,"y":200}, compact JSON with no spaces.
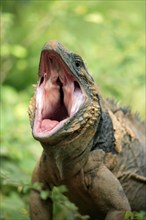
{"x":50,"y":118}
{"x":64,"y":160}
{"x":53,"y":106}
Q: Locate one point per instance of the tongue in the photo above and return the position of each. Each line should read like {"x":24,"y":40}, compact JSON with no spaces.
{"x":48,"y":125}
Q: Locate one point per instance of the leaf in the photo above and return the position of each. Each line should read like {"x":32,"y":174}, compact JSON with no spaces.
{"x":44,"y":194}
{"x":37,"y":186}
{"x":140,"y":215}
{"x":128,"y":215}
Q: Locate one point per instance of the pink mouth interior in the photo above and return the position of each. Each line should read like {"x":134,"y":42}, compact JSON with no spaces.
{"x":58,"y":96}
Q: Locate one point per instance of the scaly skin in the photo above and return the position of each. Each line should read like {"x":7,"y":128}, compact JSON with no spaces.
{"x":99,"y":153}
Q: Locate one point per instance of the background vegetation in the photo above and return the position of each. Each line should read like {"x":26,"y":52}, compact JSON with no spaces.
{"x":108,"y":34}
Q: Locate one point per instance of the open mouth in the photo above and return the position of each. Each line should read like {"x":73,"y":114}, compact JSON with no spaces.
{"x":58,"y":96}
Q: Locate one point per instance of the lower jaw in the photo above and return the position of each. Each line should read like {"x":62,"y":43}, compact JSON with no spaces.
{"x":45,"y":132}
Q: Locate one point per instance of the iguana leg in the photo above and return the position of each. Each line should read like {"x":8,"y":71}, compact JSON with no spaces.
{"x":107,"y":193}
{"x":40,"y":209}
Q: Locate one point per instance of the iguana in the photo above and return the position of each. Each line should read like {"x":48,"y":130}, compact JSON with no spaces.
{"x":91,"y":145}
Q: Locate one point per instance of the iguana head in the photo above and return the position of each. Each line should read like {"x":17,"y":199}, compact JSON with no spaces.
{"x":65,"y":103}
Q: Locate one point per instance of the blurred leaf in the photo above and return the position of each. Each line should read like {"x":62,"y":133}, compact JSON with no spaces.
{"x":18,"y":51}
{"x":44,"y":194}
{"x":128,"y":216}
{"x":140,"y":215}
{"x":37,"y":186}
{"x":12,"y":207}
{"x":95,"y":18}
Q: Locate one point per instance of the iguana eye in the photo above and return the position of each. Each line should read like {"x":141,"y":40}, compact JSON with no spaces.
{"x":77,"y":60}
{"x":78,"y":63}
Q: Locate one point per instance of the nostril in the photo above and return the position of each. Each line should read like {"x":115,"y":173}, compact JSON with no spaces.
{"x":41,"y":80}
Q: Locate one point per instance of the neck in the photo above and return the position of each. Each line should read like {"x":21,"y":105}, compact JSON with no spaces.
{"x":104,"y":136}
{"x":68,"y":157}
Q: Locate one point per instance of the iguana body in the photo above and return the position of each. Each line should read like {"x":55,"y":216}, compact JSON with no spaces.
{"x":91,"y":145}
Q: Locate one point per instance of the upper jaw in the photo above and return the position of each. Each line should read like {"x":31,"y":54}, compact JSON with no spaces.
{"x":59,"y":95}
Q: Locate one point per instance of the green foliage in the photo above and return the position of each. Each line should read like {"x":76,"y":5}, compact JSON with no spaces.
{"x":109,"y":35}
{"x":17,"y":154}
{"x":135,"y":215}
{"x":63,"y":208}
